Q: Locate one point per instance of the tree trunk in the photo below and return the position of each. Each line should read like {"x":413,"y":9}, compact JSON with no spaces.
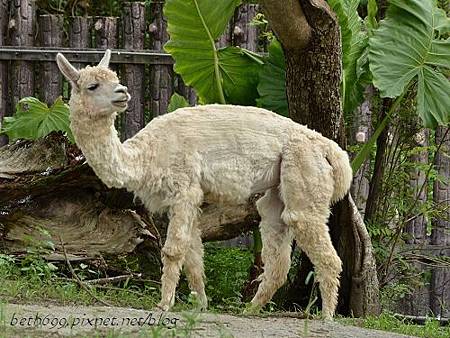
{"x":313,"y":74}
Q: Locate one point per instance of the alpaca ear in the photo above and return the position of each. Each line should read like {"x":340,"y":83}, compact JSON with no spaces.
{"x":105,"y":60}
{"x":69,"y":71}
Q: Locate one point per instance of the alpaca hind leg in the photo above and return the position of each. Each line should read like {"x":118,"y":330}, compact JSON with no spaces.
{"x":182,"y":216}
{"x":307,"y":185}
{"x":193,"y":265}
{"x":276,"y":250}
{"x":313,"y":238}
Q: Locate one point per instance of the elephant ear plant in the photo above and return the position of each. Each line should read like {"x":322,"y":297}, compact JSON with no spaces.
{"x":410,"y":50}
{"x":34,"y":119}
{"x":354,"y":52}
{"x":219,"y":75}
{"x":409,"y":46}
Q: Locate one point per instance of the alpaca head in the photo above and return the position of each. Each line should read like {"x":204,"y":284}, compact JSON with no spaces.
{"x":96,"y":89}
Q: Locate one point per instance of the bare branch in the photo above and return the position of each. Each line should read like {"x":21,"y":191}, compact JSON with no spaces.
{"x":78,"y":280}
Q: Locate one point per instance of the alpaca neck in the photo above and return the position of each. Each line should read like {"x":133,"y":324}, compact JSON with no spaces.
{"x":111,"y":160}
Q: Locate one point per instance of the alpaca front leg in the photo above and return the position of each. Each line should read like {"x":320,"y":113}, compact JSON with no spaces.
{"x":174,"y":251}
{"x":169,"y":280}
{"x":194,"y":268}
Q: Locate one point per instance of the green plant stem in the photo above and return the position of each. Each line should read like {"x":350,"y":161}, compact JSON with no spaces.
{"x":257,"y":242}
{"x":365,"y":151}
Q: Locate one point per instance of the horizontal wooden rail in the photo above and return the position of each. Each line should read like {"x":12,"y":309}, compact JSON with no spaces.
{"x":421,"y":320}
{"x":84,"y":55}
{"x":427,"y":249}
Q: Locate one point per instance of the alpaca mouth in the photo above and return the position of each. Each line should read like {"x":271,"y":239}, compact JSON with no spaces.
{"x":121,"y":103}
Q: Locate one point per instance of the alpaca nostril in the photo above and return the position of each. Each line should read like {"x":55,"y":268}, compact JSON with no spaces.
{"x":122,"y":90}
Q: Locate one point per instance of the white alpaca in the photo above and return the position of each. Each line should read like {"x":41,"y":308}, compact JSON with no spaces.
{"x":218,"y":154}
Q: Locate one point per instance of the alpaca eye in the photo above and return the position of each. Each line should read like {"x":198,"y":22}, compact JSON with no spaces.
{"x":93,"y":86}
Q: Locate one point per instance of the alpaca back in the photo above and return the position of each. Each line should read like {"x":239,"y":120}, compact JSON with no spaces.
{"x":232,"y":151}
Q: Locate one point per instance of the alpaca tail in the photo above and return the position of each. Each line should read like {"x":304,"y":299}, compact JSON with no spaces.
{"x":342,"y":171}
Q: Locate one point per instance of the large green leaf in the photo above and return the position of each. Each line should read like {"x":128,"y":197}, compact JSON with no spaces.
{"x":272,"y":77}
{"x":34,"y":119}
{"x":239,"y":69}
{"x":177,"y":101}
{"x":227,"y":75}
{"x":408,"y":47}
{"x":354,"y":42}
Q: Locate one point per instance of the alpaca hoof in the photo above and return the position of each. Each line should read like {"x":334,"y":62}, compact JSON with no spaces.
{"x":202,"y":306}
{"x":327,"y":317}
{"x":199,"y":303}
{"x":163,"y":306}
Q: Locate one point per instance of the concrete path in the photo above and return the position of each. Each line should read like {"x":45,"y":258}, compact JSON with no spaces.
{"x":93,"y":321}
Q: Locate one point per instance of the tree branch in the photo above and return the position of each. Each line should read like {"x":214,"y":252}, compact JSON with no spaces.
{"x":288,"y":22}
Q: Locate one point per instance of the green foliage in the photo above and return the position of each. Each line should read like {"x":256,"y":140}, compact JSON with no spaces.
{"x":371,"y":19}
{"x":354,"y":43}
{"x":227,"y":75}
{"x":408,"y":176}
{"x":265,"y":33}
{"x":32,"y":278}
{"x":33,"y":264}
{"x":226,"y":271}
{"x":392,"y":293}
{"x":34,"y":119}
{"x":408,"y":47}
{"x":272,"y":77}
{"x":386,"y":322}
{"x":177,"y":101}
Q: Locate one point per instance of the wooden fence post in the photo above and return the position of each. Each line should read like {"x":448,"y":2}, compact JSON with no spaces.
{"x":133,"y":39}
{"x":245,"y":35}
{"x":227,"y":36}
{"x":161,"y":76}
{"x":417,"y":228}
{"x":186,"y":91}
{"x":105,"y":29}
{"x":361,"y":131}
{"x":440,"y":278}
{"x":418,"y":302}
{"x":105,"y":32}
{"x":51,"y":35}
{"x":22,"y":34}
{"x":4,"y":108}
{"x":80,"y":34}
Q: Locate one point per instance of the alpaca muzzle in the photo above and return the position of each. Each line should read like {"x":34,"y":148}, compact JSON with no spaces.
{"x":122,"y":96}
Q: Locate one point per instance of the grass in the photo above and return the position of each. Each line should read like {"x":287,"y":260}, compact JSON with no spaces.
{"x":29,"y":289}
{"x":387,"y":322}
{"x":33,"y":280}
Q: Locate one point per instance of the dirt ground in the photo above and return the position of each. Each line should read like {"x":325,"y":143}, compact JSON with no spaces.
{"x":81,"y":321}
